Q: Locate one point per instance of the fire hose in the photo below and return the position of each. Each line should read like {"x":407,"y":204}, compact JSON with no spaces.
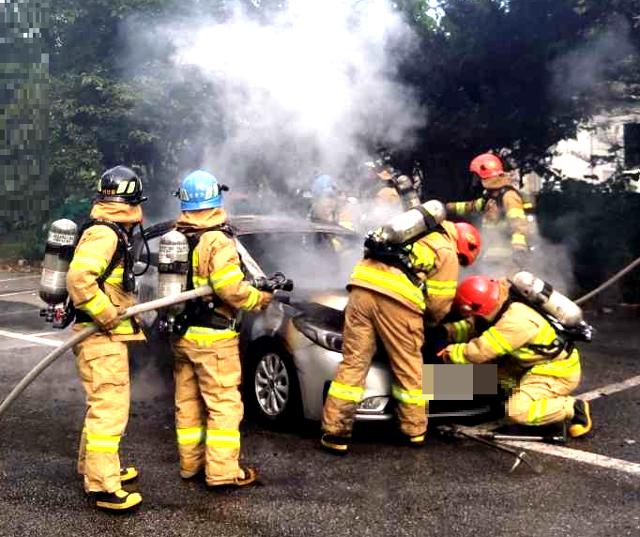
{"x":609,"y":282}
{"x":164,"y":302}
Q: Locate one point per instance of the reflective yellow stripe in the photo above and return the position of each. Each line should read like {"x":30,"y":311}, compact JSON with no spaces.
{"x":116,"y":276}
{"x":456,"y":355}
{"x":252,"y":300}
{"x":460,"y":207}
{"x":96,"y":305}
{"x":516,"y":212}
{"x":441,"y":287}
{"x":226,"y":276}
{"x":567,"y":367}
{"x":518,"y":239}
{"x":223,"y":438}
{"x":497,"y":341}
{"x":537,"y":412}
{"x":124,"y":328}
{"x":205,"y":337}
{"x":399,"y":284}
{"x":461,"y":329}
{"x":199,"y":281}
{"x":102,"y":443}
{"x":83,"y":260}
{"x":478,"y":205}
{"x":422,"y":256}
{"x":346,"y":392}
{"x":409,"y":397}
{"x":190,"y":435}
{"x":527,"y":206}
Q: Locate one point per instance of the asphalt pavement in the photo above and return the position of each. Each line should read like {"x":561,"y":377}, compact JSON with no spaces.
{"x":448,"y":488}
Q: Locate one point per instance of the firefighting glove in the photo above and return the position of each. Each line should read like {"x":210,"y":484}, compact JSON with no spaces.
{"x":109,"y":318}
{"x":265,"y":299}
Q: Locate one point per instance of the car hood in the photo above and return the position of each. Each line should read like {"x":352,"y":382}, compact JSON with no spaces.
{"x":324,"y":309}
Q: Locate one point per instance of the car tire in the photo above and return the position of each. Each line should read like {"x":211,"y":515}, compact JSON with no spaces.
{"x":271,"y":387}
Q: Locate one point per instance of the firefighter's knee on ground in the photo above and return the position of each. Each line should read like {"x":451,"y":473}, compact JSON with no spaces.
{"x":518,"y":407}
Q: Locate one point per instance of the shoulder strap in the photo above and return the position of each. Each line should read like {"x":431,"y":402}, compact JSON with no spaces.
{"x":122,"y":250}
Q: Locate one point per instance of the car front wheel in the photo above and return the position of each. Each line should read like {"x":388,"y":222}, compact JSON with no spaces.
{"x":273,"y":392}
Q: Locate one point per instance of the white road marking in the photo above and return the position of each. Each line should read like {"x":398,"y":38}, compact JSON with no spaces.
{"x":39,"y":334}
{"x":610,"y":388}
{"x":32,"y":277}
{"x":31,"y":338}
{"x":17,"y":312}
{"x":574,"y":454}
{"x":27,"y":291}
{"x":581,"y":456}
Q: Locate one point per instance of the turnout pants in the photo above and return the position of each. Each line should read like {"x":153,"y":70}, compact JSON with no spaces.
{"x":369,"y":315}
{"x":208,"y":408}
{"x":540,"y":397}
{"x":103,"y":367}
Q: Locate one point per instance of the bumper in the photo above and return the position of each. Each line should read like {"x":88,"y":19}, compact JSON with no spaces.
{"x":316,"y":368}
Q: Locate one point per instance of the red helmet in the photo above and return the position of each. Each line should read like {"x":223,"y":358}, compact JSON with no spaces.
{"x":486,"y":166}
{"x":468,"y":243}
{"x":477,"y":295}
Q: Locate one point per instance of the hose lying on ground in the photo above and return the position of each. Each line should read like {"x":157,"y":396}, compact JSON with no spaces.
{"x":609,"y":282}
{"x":86,"y":332}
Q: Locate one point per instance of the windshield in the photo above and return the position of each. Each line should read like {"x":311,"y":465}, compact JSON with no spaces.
{"x":313,"y":260}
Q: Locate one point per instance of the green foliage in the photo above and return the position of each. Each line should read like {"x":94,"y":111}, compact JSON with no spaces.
{"x":485,"y":70}
{"x":602,"y":231}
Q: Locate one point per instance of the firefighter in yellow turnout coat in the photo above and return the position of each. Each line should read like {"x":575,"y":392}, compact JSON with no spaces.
{"x":99,"y":284}
{"x":385,"y":303}
{"x":533,"y":361}
{"x":505,"y":227}
{"x":207,"y":360}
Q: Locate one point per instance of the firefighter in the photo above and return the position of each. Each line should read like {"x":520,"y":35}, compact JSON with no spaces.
{"x":379,"y":188}
{"x":100,"y":284}
{"x":392,"y":305}
{"x":504,"y":222}
{"x":329,"y":204}
{"x":207,"y":357}
{"x":540,"y":367}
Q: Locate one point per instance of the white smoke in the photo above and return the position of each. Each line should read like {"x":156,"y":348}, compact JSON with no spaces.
{"x":310,"y":90}
{"x":586,"y":70}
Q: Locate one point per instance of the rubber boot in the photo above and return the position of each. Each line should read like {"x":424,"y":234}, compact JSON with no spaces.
{"x":338,"y":445}
{"x":581,"y":422}
{"x":128,"y":474}
{"x":120,"y":500}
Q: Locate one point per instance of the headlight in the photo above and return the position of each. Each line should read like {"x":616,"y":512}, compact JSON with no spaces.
{"x":325,"y":338}
{"x":373,"y":405}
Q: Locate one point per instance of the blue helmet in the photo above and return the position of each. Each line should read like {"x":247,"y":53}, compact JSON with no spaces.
{"x":324,"y":185}
{"x":200,"y":190}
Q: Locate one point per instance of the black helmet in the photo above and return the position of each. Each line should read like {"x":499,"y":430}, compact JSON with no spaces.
{"x":120,"y":184}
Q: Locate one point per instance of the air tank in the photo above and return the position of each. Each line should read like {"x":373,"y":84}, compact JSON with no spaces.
{"x":412,"y":224}
{"x":173,"y":266}
{"x":542,"y":294}
{"x":58,"y":253}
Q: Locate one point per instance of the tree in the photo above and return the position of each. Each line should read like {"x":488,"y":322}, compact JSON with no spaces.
{"x":24,"y":186}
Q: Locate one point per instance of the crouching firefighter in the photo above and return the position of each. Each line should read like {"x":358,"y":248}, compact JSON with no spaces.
{"x":408,"y":276}
{"x":101,"y":283}
{"x":531,"y":332}
{"x":206,"y":348}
